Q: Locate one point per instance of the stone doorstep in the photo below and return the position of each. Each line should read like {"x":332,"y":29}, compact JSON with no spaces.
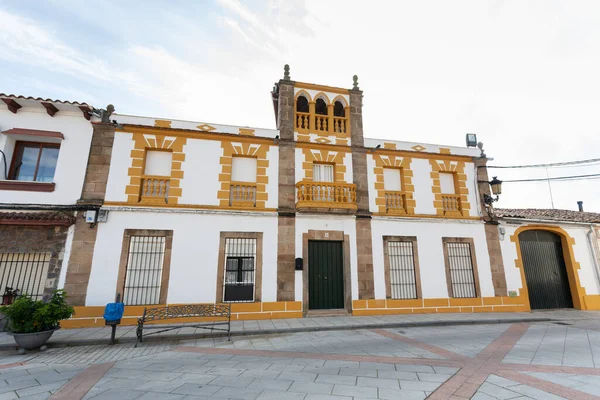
{"x":274,"y":331}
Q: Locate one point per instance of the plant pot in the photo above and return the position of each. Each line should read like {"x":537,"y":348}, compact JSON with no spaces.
{"x":30,"y":341}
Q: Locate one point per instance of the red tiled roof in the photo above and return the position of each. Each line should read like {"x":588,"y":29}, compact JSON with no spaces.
{"x":36,"y":218}
{"x":548,"y":215}
{"x":75,"y":103}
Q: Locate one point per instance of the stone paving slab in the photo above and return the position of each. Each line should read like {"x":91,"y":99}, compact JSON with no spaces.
{"x":438,"y":362}
{"x":127,"y":334}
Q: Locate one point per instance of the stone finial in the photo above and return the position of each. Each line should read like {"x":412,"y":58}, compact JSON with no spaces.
{"x":355,"y":80}
{"x":286,"y":72}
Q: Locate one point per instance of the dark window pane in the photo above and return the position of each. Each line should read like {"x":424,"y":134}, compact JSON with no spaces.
{"x":26,"y":162}
{"x":47,"y":164}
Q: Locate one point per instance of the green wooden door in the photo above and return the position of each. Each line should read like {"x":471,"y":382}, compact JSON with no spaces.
{"x":325,"y":275}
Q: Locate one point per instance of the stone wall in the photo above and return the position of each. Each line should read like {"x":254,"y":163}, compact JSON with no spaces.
{"x":37,"y":239}
{"x":94,"y":189}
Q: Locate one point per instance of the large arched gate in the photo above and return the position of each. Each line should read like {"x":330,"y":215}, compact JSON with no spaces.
{"x":545,"y":270}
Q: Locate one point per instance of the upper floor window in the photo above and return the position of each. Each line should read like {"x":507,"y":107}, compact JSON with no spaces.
{"x":338,"y":109}
{"x":392,"y":179}
{"x":447,"y":183}
{"x":158,"y":163}
{"x":302,"y":104}
{"x":243,"y":182}
{"x":33,"y":161}
{"x":323,"y":172}
{"x":321,"y":107}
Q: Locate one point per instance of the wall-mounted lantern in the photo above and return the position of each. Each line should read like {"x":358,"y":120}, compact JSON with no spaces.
{"x":496,"y":185}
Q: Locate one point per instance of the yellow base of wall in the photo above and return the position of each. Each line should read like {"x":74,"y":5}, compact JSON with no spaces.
{"x":91,"y":316}
{"x":422,"y":306}
{"x":591,"y":302}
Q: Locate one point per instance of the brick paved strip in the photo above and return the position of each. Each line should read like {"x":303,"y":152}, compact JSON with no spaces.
{"x":546,"y":386}
{"x":82,"y":382}
{"x":15,"y":364}
{"x":321,"y":356}
{"x":425,"y":346}
{"x":467,"y":381}
{"x":499,"y":348}
{"x":550,"y":368}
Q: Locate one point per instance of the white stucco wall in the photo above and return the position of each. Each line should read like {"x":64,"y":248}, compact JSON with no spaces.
{"x":422,"y":182}
{"x":588,"y":276}
{"x":72,"y":157}
{"x":347,"y":224}
{"x":273,"y":174}
{"x":194,"y":256}
{"x":472,"y":186}
{"x":120,"y":162}
{"x":200,"y":183}
{"x":429,"y":235}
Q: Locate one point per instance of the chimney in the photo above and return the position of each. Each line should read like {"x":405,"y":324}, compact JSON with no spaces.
{"x":580,"y":205}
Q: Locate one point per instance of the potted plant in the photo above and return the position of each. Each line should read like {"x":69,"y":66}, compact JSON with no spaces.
{"x":32,"y":322}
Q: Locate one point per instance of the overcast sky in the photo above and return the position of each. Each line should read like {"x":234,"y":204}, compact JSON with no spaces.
{"x":523,"y":75}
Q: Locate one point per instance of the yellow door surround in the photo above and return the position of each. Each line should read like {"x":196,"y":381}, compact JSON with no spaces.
{"x":581,"y":300}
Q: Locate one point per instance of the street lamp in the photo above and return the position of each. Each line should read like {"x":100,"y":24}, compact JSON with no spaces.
{"x":496,"y":185}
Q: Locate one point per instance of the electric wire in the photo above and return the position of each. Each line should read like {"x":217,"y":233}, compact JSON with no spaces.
{"x":558,"y":178}
{"x":558,"y":164}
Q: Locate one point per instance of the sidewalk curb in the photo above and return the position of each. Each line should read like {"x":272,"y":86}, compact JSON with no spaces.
{"x":175,"y":338}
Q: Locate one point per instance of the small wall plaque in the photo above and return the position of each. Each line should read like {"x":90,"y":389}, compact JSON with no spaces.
{"x":512,"y":293}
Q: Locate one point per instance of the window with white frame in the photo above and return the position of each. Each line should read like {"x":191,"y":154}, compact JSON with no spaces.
{"x":403,"y":279}
{"x":323,"y":172}
{"x":143,"y":276}
{"x":239,"y":270}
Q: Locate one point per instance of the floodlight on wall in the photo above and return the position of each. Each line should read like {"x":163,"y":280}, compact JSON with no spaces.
{"x":471,"y":140}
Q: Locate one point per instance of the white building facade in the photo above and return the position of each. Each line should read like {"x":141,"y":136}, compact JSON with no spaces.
{"x":310,"y":218}
{"x":44,"y":149}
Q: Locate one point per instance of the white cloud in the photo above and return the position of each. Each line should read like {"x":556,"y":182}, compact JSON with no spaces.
{"x":522,"y":75}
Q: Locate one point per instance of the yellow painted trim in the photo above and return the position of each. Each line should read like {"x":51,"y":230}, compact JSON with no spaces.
{"x":422,"y":155}
{"x":91,"y":316}
{"x":330,"y":89}
{"x":194,"y":134}
{"x":190,"y":206}
{"x":427,"y":216}
{"x":577,"y":291}
{"x":442,"y":305}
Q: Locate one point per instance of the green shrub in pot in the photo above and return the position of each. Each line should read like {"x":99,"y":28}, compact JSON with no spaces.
{"x":29,"y":316}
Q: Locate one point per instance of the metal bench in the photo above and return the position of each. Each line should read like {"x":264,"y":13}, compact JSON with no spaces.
{"x":219,"y":313}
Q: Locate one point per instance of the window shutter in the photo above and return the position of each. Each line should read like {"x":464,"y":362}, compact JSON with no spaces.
{"x":447,"y":183}
{"x":158,"y":163}
{"x":322,"y":173}
{"x":243,"y":169}
{"x":391,"y":179}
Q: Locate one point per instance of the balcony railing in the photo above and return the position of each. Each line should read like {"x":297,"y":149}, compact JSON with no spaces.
{"x":321,"y":123}
{"x":451,"y":204}
{"x":326,"y":195}
{"x":395,"y":202}
{"x":307,"y":122}
{"x":242,"y":194}
{"x":339,"y":124}
{"x":155,"y":189}
{"x":302,"y":122}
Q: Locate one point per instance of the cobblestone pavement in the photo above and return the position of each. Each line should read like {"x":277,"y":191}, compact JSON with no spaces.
{"x":504,"y":361}
{"x":127,"y":333}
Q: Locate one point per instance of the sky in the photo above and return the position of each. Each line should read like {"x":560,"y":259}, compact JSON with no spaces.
{"x":522,"y":75}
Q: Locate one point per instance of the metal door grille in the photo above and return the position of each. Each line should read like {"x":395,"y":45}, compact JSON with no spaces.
{"x":143,"y":277}
{"x":402,"y":270}
{"x":461,"y":270}
{"x":240,"y":254}
{"x":26,"y":272}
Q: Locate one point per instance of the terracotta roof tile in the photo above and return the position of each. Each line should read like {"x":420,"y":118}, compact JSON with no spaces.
{"x":548,"y":214}
{"x":36,"y":218}
{"x":75,"y":103}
